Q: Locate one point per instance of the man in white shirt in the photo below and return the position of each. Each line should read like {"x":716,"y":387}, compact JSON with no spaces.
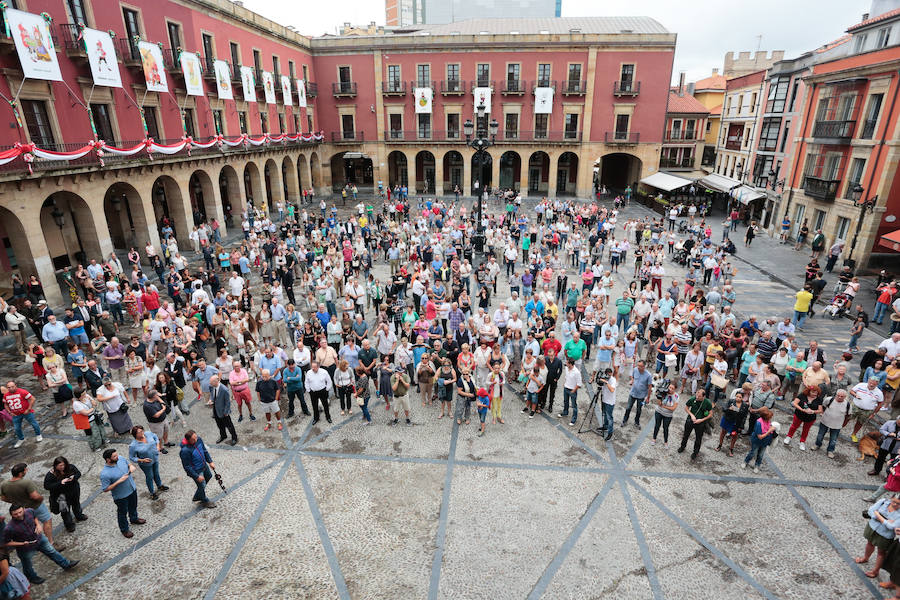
{"x":515,"y":303}
{"x":891,"y":346}
{"x":572,"y":382}
{"x":318,"y":384}
{"x":607,"y":403}
{"x":867,"y":401}
{"x":236,"y":284}
{"x":501,"y":318}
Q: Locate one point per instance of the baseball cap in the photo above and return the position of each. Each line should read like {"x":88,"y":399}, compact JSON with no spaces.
{"x":482,"y":392}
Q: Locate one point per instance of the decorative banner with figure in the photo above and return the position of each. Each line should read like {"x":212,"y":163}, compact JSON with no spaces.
{"x":482,"y":97}
{"x":543,"y":100}
{"x":424,"y":96}
{"x":190,"y":66}
{"x":286,"y":90}
{"x":301,"y":93}
{"x":102,"y":57}
{"x":248,"y":82}
{"x":269,"y":87}
{"x":154,"y":73}
{"x":223,"y":80}
{"x":34,"y":44}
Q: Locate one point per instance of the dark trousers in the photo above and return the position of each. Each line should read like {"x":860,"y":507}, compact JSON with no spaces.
{"x":298,"y":394}
{"x":883,"y":455}
{"x":549,"y":392}
{"x":637,"y":411}
{"x":225,"y":423}
{"x":200,"y":494}
{"x":661,"y":421}
{"x":698,"y":430}
{"x":315,"y":398}
{"x":126,"y":510}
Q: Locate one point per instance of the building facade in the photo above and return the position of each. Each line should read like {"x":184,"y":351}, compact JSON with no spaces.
{"x":608,"y":81}
{"x":403,"y":13}
{"x":686,"y":120}
{"x":740,"y":114}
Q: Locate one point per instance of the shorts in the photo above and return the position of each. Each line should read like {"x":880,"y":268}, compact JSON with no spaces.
{"x":242,"y":396}
{"x":160,"y":429}
{"x":42,"y":512}
{"x":401,"y":403}
{"x":482,"y":414}
{"x":861,"y":414}
{"x":269,"y":407}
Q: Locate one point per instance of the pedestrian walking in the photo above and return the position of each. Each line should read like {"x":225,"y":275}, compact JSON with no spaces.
{"x":116,"y":479}
{"x":198,"y":465}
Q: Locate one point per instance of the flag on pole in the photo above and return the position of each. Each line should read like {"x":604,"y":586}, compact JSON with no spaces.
{"x":269,"y":87}
{"x":154,"y":73}
{"x":286,"y":91}
{"x":190,"y":67}
{"x":301,"y":93}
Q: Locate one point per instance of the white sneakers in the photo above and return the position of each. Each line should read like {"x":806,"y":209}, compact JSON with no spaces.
{"x":803,"y":445}
{"x":743,"y":465}
{"x":39,"y":438}
{"x":787,"y":441}
{"x":756,"y":469}
{"x":18,"y":444}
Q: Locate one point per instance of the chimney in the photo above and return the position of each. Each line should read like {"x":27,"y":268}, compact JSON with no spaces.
{"x":715,"y":71}
{"x":681,"y":84}
{"x":865,"y":17}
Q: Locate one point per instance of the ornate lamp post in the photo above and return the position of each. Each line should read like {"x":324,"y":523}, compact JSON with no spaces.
{"x":480,"y":145}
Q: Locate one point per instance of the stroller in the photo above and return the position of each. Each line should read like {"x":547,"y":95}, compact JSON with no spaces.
{"x":682,"y":226}
{"x":838,"y":306}
{"x":680,"y":256}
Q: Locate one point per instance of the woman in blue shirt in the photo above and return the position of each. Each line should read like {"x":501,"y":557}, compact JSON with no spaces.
{"x":879,"y":533}
{"x":877,"y":372}
{"x":144,"y":452}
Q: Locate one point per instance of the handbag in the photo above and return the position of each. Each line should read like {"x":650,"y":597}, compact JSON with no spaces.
{"x":81,"y":422}
{"x":718,"y":380}
{"x":671,"y":360}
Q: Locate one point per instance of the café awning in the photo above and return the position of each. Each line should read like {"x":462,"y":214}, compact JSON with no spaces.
{"x":891,"y":240}
{"x":720,"y":183}
{"x":746,"y":194}
{"x":665,"y":181}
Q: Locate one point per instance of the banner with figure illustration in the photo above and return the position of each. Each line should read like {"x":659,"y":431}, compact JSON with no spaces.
{"x":424,"y":97}
{"x":269,"y":87}
{"x":34,"y":44}
{"x":102,"y":58}
{"x":543,"y":100}
{"x":193,"y":76}
{"x":223,"y":80}
{"x":154,"y":71}
{"x":248,"y":82}
{"x":301,"y":93}
{"x":286,"y":90}
{"x":482,"y":97}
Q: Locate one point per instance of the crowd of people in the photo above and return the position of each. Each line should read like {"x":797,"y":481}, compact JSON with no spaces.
{"x":634,"y":313}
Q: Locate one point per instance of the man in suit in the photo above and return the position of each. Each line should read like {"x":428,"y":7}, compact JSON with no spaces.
{"x":221,"y":401}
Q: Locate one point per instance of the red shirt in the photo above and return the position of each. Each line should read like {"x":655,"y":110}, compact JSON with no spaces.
{"x":551,"y":344}
{"x":150,"y":300}
{"x":18,"y":402}
{"x":887,"y":293}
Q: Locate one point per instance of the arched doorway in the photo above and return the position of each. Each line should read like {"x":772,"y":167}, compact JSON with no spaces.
{"x":18,"y":256}
{"x":274,"y":185}
{"x":619,"y":170}
{"x":453,"y":171}
{"x":124,"y":210}
{"x":69,"y":230}
{"x":230,"y":192}
{"x":566,"y":174}
{"x":203,"y":197}
{"x":303,"y":173}
{"x":289,"y":179}
{"x":315,"y":177}
{"x":510,"y":168}
{"x":481,"y":172}
{"x":425,"y":172}
{"x":352,"y":168}
{"x":539,"y":174}
{"x":398,"y":173}
{"x":167,"y":201}
{"x":253,"y":185}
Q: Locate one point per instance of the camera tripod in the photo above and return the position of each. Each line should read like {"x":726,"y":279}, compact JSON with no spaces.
{"x":589,"y":415}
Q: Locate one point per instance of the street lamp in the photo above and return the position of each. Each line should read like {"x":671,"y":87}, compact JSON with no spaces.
{"x":480,"y":144}
{"x":867,"y":205}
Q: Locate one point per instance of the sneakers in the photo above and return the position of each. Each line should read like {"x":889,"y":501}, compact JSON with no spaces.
{"x":561,"y":415}
{"x":652,"y":442}
{"x":756,"y":469}
{"x":787,"y":440}
{"x":18,"y":444}
{"x":39,"y":438}
{"x":531,"y":416}
{"x":267,"y":427}
{"x":525,"y":410}
{"x":408,"y":422}
{"x":854,"y":439}
{"x":830,"y":455}
{"x":241,"y":419}
{"x":209,"y":504}
{"x":803,"y":445}
{"x":743,"y":465}
{"x":280,"y":427}
{"x":252,"y":418}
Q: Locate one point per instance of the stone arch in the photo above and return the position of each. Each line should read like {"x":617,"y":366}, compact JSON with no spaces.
{"x":289,"y":180}
{"x":169,"y":207}
{"x":126,"y":217}
{"x":539,"y":173}
{"x":425,"y":172}
{"x":315,"y":172}
{"x":398,"y":170}
{"x":619,"y":170}
{"x":454,"y":171}
{"x":566,"y":174}
{"x":202,"y":194}
{"x":25,"y":254}
{"x":274,"y":186}
{"x":510,"y":170}
{"x":357,"y":170}
{"x":70,"y":230}
{"x":303,"y":173}
{"x":253,"y":187}
{"x":230,"y":193}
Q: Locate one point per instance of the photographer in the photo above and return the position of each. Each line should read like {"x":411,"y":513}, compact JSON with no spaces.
{"x":607,"y":401}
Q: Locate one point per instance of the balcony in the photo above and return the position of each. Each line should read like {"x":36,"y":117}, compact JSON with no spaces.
{"x":393,"y":136}
{"x":236,"y":72}
{"x":312,"y":89}
{"x":393,"y":88}
{"x":170,"y":61}
{"x":682,"y":136}
{"x":574,"y":88}
{"x":483,"y":83}
{"x":835,"y":132}
{"x":397,"y":136}
{"x":621,"y":138}
{"x":543,"y":83}
{"x":74,"y":47}
{"x":626,"y":88}
{"x":128,"y":52}
{"x":541,"y":136}
{"x":822,"y":189}
{"x":684,"y":163}
{"x":513,"y":87}
{"x":257,"y":77}
{"x":347,"y":137}
{"x":422,"y":84}
{"x":209,"y":67}
{"x":453,"y":87}
{"x":344,"y":89}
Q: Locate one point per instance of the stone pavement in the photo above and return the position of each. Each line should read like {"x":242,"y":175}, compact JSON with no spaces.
{"x":533,"y":509}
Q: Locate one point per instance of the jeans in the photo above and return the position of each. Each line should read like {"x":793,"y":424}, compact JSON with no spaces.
{"x":607,"y":411}
{"x":17,"y":424}
{"x":699,"y":429}
{"x":833,"y":435}
{"x":200,"y":494}
{"x":663,"y":421}
{"x":116,"y":312}
{"x":47,"y":550}
{"x":126,"y":510}
{"x":570,"y":396}
{"x":365,"y":409}
{"x":759,"y":450}
{"x":623,"y":320}
{"x":151,"y":473}
{"x":637,"y":412}
{"x":880,"y":311}
{"x":296,"y":395}
{"x":800,"y":318}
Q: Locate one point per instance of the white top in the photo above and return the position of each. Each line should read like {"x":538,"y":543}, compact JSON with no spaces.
{"x":607,"y":396}
{"x":865,"y":398}
{"x":572,"y":378}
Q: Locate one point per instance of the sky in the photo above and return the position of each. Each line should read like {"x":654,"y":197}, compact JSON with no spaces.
{"x":706,"y":31}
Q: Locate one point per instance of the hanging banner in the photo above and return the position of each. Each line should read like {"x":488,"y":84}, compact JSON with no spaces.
{"x":482,"y":97}
{"x":286,"y":90}
{"x":248,"y":82}
{"x":424,"y":97}
{"x":102,"y":58}
{"x":301,"y":93}
{"x":34,"y":44}
{"x":190,"y":67}
{"x":223,"y":80}
{"x":269,"y":87}
{"x":154,"y":73}
{"x":543,"y":100}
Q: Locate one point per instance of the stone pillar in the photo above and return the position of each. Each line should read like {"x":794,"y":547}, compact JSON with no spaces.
{"x":30,"y":241}
{"x":523,"y":174}
{"x":551,"y":180}
{"x":439,"y":176}
{"x":495,"y":170}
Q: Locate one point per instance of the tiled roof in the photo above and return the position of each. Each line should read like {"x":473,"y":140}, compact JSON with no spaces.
{"x":715,"y":82}
{"x":882,"y":17}
{"x":552,"y":25}
{"x":716,"y":111}
{"x":685,"y":104}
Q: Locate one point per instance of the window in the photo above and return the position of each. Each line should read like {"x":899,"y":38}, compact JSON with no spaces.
{"x":344,"y":79}
{"x":151,"y":122}
{"x":264,"y":122}
{"x":884,"y":37}
{"x":859,"y":44}
{"x":218,"y":122}
{"x":575,"y":74}
{"x":208,"y":48}
{"x":452,"y":74}
{"x":296,"y":122}
{"x":102,"y":122}
{"x":347,"y":127}
{"x":37,"y":121}
{"x":622,"y":123}
{"x":541,"y":123}
{"x":280,"y":122}
{"x":453,"y":125}
{"x":309,"y":120}
{"x":571,"y":131}
{"x":174,"y":35}
{"x":511,"y":126}
{"x":843,"y":227}
{"x":872,"y":113}
{"x":626,"y":78}
{"x":857,"y":167}
{"x":424,"y":125}
{"x":689,"y":128}
{"x":305,"y":73}
{"x":235,"y":57}
{"x":794,"y":95}
{"x":423,"y":75}
{"x":819,"y":219}
{"x":512,"y":73}
{"x":291,"y":69}
{"x":761,"y":169}
{"x":768,"y":134}
{"x":393,"y":78}
{"x":543,"y":79}
{"x":675,"y":134}
{"x":483,"y":74}
{"x":257,"y":61}
{"x":242,"y":122}
{"x":189,"y":128}
{"x":778,"y":88}
{"x":395,"y":124}
{"x":76,"y":11}
{"x":753,"y":102}
{"x":784,"y":137}
{"x":276,"y":66}
{"x":132,"y":30}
